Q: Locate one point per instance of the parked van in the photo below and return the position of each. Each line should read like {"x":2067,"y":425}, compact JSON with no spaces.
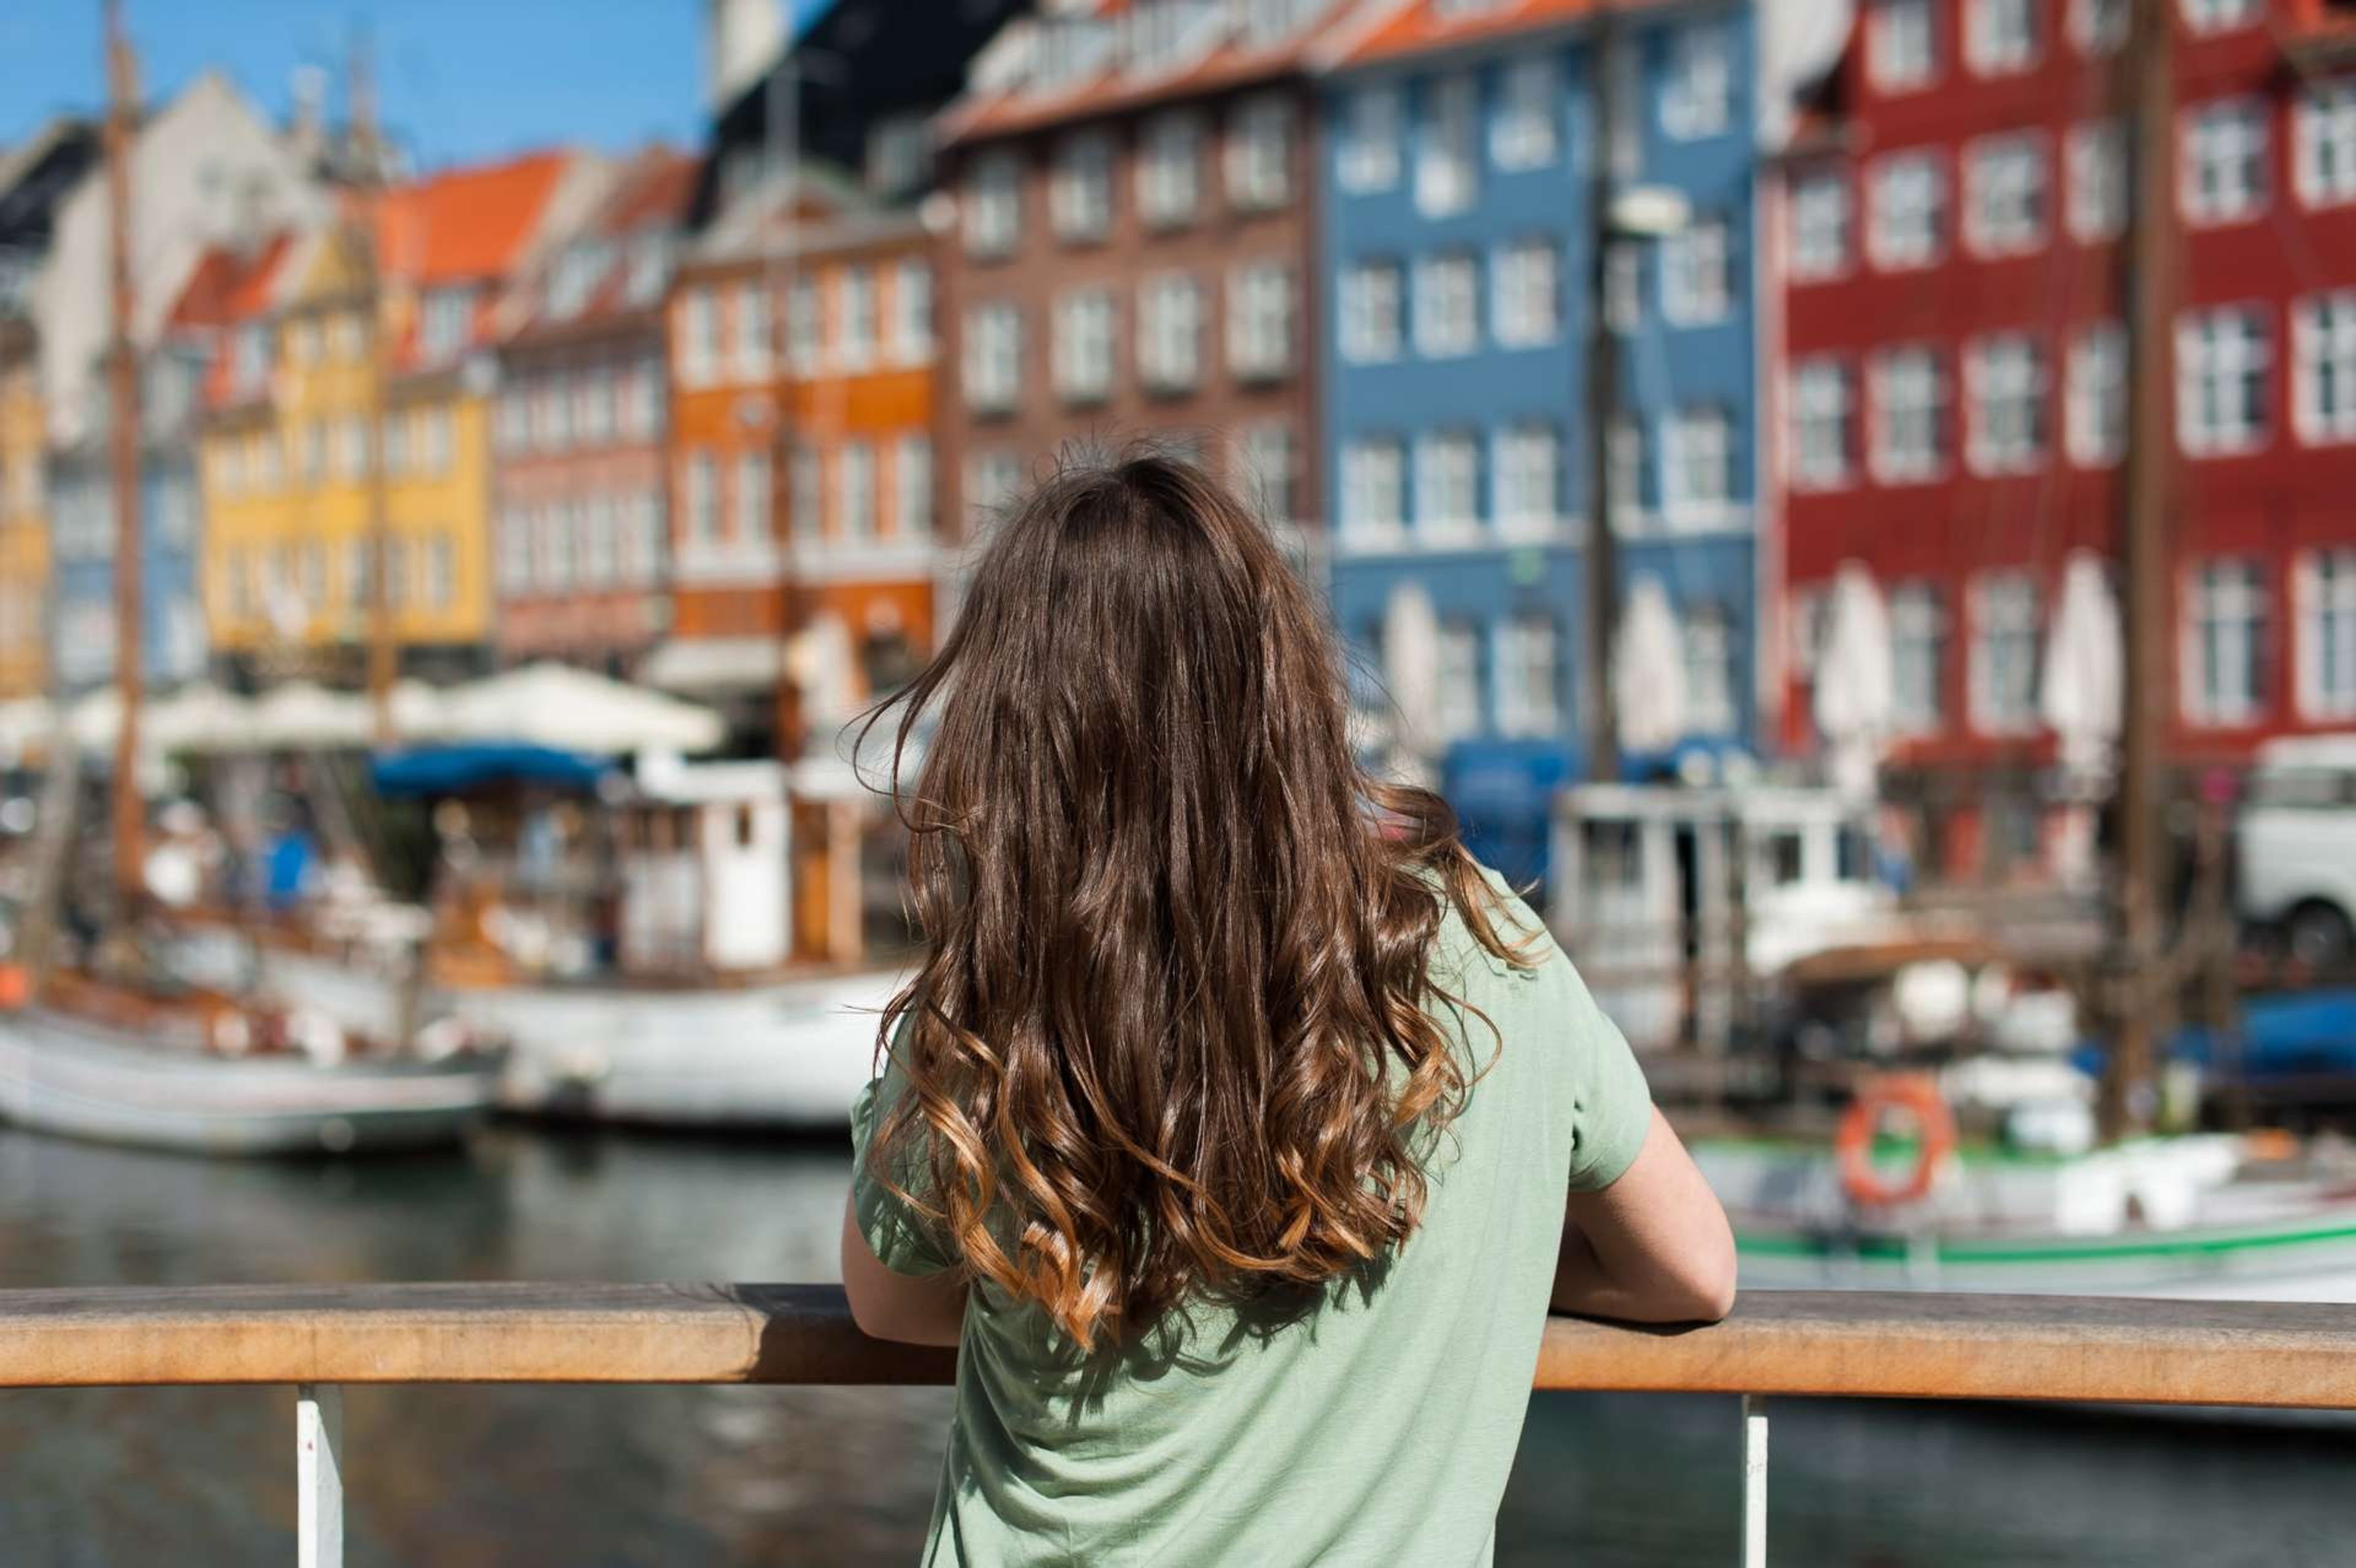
{"x":2295,"y":840}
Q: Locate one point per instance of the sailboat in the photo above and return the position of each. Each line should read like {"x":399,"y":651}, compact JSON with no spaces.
{"x":120,"y":1050}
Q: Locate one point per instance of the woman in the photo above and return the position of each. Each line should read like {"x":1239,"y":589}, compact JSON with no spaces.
{"x":1237,"y":1128}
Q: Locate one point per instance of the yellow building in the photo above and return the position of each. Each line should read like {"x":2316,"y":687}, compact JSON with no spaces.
{"x":288,"y":539}
{"x":23,"y":523}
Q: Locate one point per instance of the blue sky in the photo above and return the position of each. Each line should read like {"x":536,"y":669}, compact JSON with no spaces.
{"x":458,"y":79}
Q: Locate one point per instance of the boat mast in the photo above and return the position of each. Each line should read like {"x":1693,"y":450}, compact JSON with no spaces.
{"x":781,"y":263}
{"x":1603,"y":393}
{"x":2140,"y":984}
{"x":123,"y":374}
{"x":367,"y":256}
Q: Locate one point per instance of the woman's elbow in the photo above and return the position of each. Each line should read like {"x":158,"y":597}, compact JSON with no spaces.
{"x":1713,"y":1287}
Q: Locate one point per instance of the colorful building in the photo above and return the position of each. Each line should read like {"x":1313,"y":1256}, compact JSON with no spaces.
{"x":1134,"y":250}
{"x":583,"y":544}
{"x":803,"y":491}
{"x":23,"y":516}
{"x":1459,"y":228}
{"x":1954,"y":369}
{"x":287,"y":477}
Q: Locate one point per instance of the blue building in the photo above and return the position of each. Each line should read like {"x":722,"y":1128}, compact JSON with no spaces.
{"x":1456,"y":217}
{"x":82,"y":538}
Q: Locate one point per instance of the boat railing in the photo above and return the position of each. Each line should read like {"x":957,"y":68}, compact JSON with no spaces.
{"x":315,"y":1339}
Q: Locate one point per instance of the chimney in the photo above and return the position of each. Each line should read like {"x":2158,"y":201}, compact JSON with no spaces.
{"x":745,"y":39}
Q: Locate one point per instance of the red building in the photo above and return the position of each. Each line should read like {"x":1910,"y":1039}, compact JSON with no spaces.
{"x":580,"y":549}
{"x":1949,"y":225}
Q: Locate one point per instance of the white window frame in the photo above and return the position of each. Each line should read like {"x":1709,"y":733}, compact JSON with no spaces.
{"x":1372,"y":300}
{"x":2208,"y":365}
{"x":1823,"y":221}
{"x":1366,"y":150}
{"x":1922,"y":241}
{"x":1261,"y":313}
{"x":2222,"y":156}
{"x":1446,"y":317}
{"x":1524,"y":130}
{"x":1079,"y":187}
{"x":1698,"y":273}
{"x":912,"y":485}
{"x":2225,"y":595}
{"x":1448,"y":145}
{"x":1696,"y":439}
{"x":2206,"y":18}
{"x":1918,"y":657}
{"x":1912,"y":414}
{"x":1527,"y":656}
{"x":1902,"y":44}
{"x":2007,"y":193}
{"x":1706,"y":648}
{"x":2008,"y":404}
{"x":1447,"y":485}
{"x":2094,"y":411}
{"x":992,"y":208}
{"x":2006,"y":610}
{"x":1266,"y":458}
{"x":1373,"y":490}
{"x":1260,"y":136}
{"x":1082,"y":353}
{"x":2002,"y":38}
{"x":1698,"y":85}
{"x":1526,"y":284}
{"x":2323,"y":143}
{"x":2095,"y":175}
{"x":992,"y":360}
{"x":2323,"y":367}
{"x":1527,"y":470}
{"x":2098,"y":27}
{"x":1822,"y":393}
{"x":1170,"y":169}
{"x":2324,"y":585}
{"x":1170,"y":333}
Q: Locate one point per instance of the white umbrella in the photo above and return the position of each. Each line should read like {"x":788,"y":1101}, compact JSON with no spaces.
{"x":1411,"y":665}
{"x":303,"y":716}
{"x":199,"y":717}
{"x":27,"y":723}
{"x":2082,"y":683}
{"x":1856,"y":695}
{"x":1648,"y":670}
{"x":555,"y":704}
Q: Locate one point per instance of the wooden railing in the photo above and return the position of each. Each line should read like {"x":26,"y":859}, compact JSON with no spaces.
{"x":1813,"y":1344}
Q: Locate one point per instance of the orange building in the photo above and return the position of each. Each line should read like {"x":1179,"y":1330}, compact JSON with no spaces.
{"x":803,"y":487}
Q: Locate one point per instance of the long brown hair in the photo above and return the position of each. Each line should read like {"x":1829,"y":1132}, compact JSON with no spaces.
{"x":1169,"y":1037}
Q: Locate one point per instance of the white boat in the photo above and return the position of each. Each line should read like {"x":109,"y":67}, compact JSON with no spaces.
{"x":787,"y":1052}
{"x":71,"y":1076}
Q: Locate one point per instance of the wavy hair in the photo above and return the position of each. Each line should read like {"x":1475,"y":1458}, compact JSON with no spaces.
{"x":1171,"y":1037}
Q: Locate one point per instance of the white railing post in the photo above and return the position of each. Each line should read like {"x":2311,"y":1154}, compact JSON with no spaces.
{"x":320,"y":1475}
{"x":1754,"y":1481}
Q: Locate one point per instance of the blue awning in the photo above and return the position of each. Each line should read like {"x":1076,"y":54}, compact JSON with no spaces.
{"x":456,"y":770}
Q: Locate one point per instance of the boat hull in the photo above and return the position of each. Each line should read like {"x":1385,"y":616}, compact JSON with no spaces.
{"x":59,"y":1075}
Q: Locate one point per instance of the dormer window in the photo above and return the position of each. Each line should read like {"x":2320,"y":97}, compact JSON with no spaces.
{"x":448,"y":323}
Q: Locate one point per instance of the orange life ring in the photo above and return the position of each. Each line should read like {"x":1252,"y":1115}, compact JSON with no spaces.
{"x":1916,"y":1095}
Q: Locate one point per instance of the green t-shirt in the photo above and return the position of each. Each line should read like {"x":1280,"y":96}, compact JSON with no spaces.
{"x":1379,"y":1427}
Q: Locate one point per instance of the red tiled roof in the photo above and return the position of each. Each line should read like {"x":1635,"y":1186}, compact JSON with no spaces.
{"x":653,"y":193}
{"x":466,"y":225}
{"x":1421,"y":26}
{"x":228,"y":285}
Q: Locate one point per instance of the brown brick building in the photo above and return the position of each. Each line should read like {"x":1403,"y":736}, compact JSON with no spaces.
{"x":581,"y":548}
{"x":1134,"y":227}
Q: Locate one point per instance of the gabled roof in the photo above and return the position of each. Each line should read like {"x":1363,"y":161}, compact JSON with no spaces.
{"x":1227,"y":61}
{"x":648,"y":196}
{"x":231,"y":284}
{"x":467,"y":225}
{"x":1420,"y":26}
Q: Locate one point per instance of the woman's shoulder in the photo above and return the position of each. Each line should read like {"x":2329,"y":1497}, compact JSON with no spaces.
{"x":1519,"y":945}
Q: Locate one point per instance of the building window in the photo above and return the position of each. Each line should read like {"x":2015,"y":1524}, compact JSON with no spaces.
{"x":1448,"y":151}
{"x":447,"y":324}
{"x":2221,"y":361}
{"x":1529,"y":479}
{"x":1821,"y":216}
{"x":1918,"y":657}
{"x":912,"y":312}
{"x":1259,"y":156}
{"x":1083,"y":347}
{"x":2223,"y":174}
{"x":2001,"y":36}
{"x":698,"y":336}
{"x":1901,"y":47}
{"x":854,"y":501}
{"x":2098,"y":27}
{"x":749,"y":310}
{"x":2225,"y":636}
{"x":804,"y":326}
{"x":1448,"y":485}
{"x":2095,"y":418}
{"x":1260,"y":322}
{"x":2005,"y":387}
{"x":1697,"y":274}
{"x":701,"y":500}
{"x":515,"y":551}
{"x":1079,"y":194}
{"x":1367,"y":158}
{"x":855,"y":300}
{"x":1169,"y":333}
{"x":1824,"y":409}
{"x":2097,"y":161}
{"x":555,"y":411}
{"x":912,"y":486}
{"x":1374,"y":487}
{"x":993,"y":207}
{"x":1906,"y":217}
{"x":1529,"y":677}
{"x":1623,"y":285}
{"x":2221,"y":16}
{"x":1170,"y":170}
{"x":2323,"y":367}
{"x":1268,"y":469}
{"x":597,"y":404}
{"x":1698,"y":98}
{"x":2323,"y":151}
{"x":1447,"y":306}
{"x":753,"y":499}
{"x":1528,"y":304}
{"x":1697,"y":464}
{"x":2327,"y":675}
{"x":1456,"y":679}
{"x":1909,"y":416}
{"x":1370,"y":299}
{"x":351,"y":446}
{"x":2004,"y":195}
{"x":555,"y":552}
{"x":1706,"y":641}
{"x":805,"y":494}
{"x":2004,"y":652}
{"x":993,"y":359}
{"x":1525,"y":134}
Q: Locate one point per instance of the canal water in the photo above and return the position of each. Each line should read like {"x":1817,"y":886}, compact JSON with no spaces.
{"x":521,"y":1477}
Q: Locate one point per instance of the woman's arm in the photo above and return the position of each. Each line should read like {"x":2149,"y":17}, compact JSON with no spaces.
{"x":1653,"y":1247}
{"x":918,"y":1309}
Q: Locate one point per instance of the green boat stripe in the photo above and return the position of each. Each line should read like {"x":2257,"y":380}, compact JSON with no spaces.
{"x":1895,"y":1249}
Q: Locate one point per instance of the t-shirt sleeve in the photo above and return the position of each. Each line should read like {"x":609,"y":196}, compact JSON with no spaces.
{"x":902,"y":1238}
{"x":1612,"y":1108}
